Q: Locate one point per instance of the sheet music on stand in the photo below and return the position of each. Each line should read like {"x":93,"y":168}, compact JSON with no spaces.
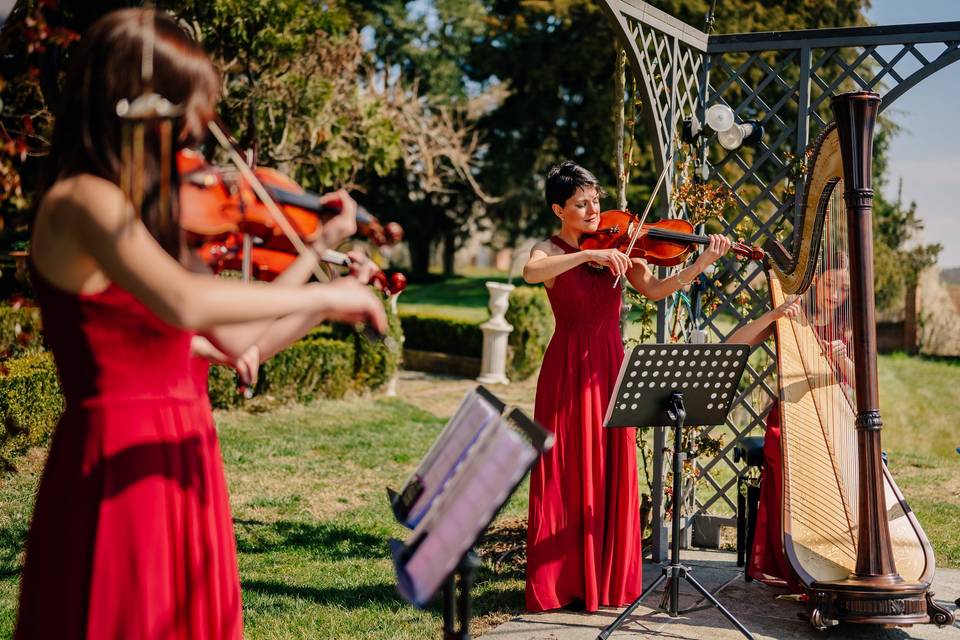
{"x":477,"y":411}
{"x":706,"y":374}
{"x":474,"y":466}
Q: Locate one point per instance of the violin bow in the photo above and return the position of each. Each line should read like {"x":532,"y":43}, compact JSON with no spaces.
{"x":266,"y":199}
{"x":333,"y":257}
{"x":653,"y":196}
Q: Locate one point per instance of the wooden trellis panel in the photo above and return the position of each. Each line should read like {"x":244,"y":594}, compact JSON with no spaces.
{"x":784,"y":80}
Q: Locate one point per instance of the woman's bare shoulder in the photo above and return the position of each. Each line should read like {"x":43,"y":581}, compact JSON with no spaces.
{"x":85,"y":199}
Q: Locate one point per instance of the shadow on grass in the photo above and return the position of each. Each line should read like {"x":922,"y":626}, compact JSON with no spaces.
{"x":492,"y":599}
{"x":328,"y":541}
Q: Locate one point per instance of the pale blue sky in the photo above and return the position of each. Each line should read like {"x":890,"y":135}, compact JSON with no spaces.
{"x":926,"y":154}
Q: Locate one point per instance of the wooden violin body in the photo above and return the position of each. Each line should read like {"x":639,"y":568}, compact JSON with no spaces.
{"x":218,"y":210}
{"x":665,"y":243}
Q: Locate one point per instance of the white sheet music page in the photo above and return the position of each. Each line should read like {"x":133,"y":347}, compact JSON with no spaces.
{"x":473,"y":416}
{"x":492,"y":468}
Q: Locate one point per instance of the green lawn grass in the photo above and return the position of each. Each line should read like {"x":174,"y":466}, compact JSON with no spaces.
{"x":463,"y":297}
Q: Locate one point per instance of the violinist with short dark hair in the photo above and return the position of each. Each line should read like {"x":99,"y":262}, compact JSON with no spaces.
{"x":584,"y":530}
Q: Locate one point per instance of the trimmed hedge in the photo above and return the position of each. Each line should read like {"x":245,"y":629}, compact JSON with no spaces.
{"x":532,"y":320}
{"x":443,"y":334}
{"x":529,"y":313}
{"x":311,"y":368}
{"x":30,"y":403}
{"x":374,"y":362}
{"x":326,"y":363}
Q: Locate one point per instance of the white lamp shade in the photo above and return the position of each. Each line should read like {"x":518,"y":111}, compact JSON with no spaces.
{"x":731,"y":138}
{"x":720,"y":117}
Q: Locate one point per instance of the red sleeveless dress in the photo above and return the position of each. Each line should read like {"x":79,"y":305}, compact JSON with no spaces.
{"x":583,"y":540}
{"x":131,"y":534}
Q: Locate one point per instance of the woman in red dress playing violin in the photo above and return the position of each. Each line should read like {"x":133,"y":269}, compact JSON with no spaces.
{"x":583,"y":537}
{"x":131,"y":535}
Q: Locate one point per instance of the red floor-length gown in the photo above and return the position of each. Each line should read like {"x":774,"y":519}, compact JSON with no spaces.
{"x":131,"y":535}
{"x":768,"y":562}
{"x":583,"y":540}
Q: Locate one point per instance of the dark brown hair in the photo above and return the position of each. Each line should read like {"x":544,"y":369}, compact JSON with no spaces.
{"x":105,"y":68}
{"x":564,"y":179}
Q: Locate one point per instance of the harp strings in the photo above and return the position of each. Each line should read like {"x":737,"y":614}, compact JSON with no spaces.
{"x":830,"y":315}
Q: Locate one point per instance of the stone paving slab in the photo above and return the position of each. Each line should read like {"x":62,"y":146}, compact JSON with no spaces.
{"x":753,"y":603}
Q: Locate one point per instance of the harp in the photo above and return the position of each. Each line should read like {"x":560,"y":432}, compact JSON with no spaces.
{"x":849,"y":536}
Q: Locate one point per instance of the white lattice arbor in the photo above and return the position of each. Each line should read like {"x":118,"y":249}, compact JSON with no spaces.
{"x":784,"y":80}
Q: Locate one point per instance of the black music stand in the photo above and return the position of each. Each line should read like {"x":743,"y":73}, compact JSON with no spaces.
{"x":475,"y":465}
{"x":657,"y":387}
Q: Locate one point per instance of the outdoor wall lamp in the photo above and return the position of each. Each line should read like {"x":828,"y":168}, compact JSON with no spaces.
{"x":721,"y":119}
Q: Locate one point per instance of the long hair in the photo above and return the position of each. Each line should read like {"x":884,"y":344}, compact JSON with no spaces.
{"x":104,"y":69}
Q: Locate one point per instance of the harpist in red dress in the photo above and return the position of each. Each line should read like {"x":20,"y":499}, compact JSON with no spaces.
{"x":583,"y":541}
{"x":131,"y":535}
{"x":824,"y":307}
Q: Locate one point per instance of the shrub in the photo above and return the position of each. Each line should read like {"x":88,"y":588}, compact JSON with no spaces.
{"x":30,"y":402}
{"x":529,"y":313}
{"x":20,"y":331}
{"x":532,"y":321}
{"x":375,"y":362}
{"x":439,"y":333}
{"x":312,"y":368}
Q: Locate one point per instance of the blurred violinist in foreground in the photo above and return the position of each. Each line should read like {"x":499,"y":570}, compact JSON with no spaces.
{"x":131,"y":534}
{"x":584,"y":531}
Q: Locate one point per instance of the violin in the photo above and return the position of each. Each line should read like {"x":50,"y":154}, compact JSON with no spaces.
{"x":213,"y":205}
{"x":267,"y":263}
{"x":218,"y":210}
{"x":665,"y":243}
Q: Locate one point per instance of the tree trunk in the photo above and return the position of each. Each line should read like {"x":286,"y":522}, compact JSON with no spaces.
{"x":618,"y":122}
{"x":420,"y":249}
{"x":449,"y":250}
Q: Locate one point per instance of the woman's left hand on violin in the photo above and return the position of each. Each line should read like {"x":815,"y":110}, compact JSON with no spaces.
{"x":719,"y":246}
{"x":341,"y":226}
{"x":361,"y":267}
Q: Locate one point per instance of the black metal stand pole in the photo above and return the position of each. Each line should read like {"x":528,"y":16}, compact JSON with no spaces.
{"x":673,"y":572}
{"x":459,"y":605}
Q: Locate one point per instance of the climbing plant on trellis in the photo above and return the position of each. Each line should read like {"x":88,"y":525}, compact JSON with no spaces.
{"x":784,"y":80}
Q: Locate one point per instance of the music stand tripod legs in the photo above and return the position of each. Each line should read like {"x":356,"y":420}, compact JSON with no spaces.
{"x":672,"y":573}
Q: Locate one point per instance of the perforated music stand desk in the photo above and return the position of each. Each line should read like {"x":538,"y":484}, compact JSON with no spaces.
{"x":664,"y":385}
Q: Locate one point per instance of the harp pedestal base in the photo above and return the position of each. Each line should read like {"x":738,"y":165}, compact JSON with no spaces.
{"x":885,"y":600}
